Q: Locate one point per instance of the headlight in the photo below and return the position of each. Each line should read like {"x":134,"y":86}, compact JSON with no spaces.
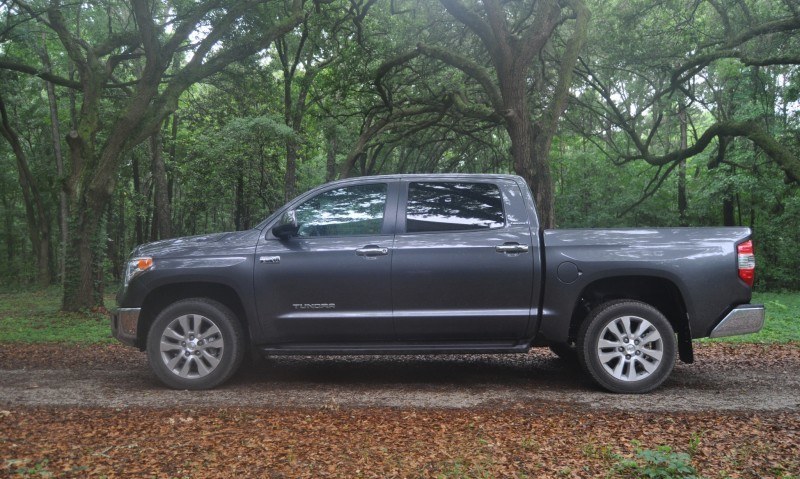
{"x":137,"y":266}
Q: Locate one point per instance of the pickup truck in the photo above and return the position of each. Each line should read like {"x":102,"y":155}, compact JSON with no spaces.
{"x":424,"y":264}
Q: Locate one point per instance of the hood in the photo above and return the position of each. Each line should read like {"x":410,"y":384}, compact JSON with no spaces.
{"x":209,"y":244}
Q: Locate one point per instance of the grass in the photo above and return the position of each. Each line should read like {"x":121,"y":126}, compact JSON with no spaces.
{"x":33,"y":317}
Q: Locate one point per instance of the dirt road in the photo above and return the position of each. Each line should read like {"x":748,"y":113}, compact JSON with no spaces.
{"x":724,"y":378}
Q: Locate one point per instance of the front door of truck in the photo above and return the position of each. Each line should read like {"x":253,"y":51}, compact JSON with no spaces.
{"x":331,"y":282}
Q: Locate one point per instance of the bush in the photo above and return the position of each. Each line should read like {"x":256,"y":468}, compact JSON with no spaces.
{"x":659,"y":463}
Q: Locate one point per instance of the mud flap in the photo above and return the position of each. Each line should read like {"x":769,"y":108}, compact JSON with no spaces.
{"x":685,"y":349}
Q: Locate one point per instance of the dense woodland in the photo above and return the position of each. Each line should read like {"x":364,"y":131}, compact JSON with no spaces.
{"x":129,"y":121}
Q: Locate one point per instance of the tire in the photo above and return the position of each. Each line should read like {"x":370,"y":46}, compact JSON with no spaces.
{"x":195,"y":344}
{"x":627,"y":347}
{"x":565,"y":352}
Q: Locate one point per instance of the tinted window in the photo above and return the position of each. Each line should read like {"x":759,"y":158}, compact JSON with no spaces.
{"x":453,"y":207}
{"x":353,"y":210}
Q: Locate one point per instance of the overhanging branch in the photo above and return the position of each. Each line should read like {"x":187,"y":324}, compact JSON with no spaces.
{"x":44,"y":75}
{"x":745,"y":129}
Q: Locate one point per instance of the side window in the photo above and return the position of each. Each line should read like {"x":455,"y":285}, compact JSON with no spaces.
{"x":352,"y":210}
{"x":453,"y":207}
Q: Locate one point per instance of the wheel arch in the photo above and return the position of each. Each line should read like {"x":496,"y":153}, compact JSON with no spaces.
{"x":161,"y":297}
{"x":659,"y":292}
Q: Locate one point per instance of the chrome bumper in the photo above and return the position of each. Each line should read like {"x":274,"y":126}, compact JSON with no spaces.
{"x":125,"y":324}
{"x":745,"y":319}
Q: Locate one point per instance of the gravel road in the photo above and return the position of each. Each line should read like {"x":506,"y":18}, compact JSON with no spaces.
{"x":724,"y":378}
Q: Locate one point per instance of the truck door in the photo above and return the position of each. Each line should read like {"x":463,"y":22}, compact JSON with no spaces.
{"x":462,"y":265}
{"x":331,"y":282}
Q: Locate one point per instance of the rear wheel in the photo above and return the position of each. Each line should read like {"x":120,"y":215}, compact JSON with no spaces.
{"x":627,"y":346}
{"x":195,"y":344}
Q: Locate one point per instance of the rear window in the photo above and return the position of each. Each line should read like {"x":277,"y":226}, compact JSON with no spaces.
{"x":450,"y":206}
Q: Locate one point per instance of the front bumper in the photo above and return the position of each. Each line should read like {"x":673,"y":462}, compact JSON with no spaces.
{"x":125,"y":324}
{"x":744,"y":319}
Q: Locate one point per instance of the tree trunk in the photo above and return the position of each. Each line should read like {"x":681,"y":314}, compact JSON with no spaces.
{"x":59,"y":157}
{"x":290,"y":180}
{"x":238,"y":213}
{"x":111,"y":243}
{"x":9,"y":228}
{"x":82,"y":266}
{"x":530,"y":144}
{"x":162,"y":214}
{"x":531,"y":155}
{"x":137,"y":188}
{"x":172,"y":155}
{"x":35,"y":212}
{"x":122,"y":253}
{"x":83,"y":285}
{"x":542,"y":181}
{"x":728,"y":213}
{"x":330,"y":172}
{"x":88,"y":192}
{"x":682,"y":199}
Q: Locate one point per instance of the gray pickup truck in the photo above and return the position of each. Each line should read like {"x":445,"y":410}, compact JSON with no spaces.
{"x":422,"y":264}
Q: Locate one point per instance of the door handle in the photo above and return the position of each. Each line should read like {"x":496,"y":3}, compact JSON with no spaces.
{"x":511,"y":248}
{"x":372,"y":250}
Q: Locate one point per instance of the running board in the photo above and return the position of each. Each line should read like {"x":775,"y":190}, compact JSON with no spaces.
{"x":313,"y":349}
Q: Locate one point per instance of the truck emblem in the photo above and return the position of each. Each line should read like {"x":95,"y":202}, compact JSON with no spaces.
{"x":269,"y":259}
{"x":314,"y":306}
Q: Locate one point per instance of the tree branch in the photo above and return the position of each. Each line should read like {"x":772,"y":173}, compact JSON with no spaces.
{"x":540,"y":32}
{"x":746,"y":129}
{"x":477,"y":72}
{"x":473,"y":22}
{"x":43,"y":74}
{"x":731,"y":49}
{"x":567,"y":64}
{"x":384,"y":70}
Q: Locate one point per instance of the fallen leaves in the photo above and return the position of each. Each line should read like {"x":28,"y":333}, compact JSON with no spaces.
{"x":522,"y":440}
{"x":550,"y":440}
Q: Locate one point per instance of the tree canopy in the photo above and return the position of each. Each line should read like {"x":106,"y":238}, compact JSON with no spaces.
{"x":126,"y":122}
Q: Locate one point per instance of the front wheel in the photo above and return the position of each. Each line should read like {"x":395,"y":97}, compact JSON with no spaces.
{"x":195,"y":344}
{"x":627,"y":347}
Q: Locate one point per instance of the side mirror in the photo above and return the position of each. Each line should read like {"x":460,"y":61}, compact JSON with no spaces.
{"x":287,"y":226}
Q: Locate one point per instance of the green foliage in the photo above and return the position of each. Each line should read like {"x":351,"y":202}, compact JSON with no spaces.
{"x":20,"y":468}
{"x":226,"y":162}
{"x":34,"y":317}
{"x":659,"y":463}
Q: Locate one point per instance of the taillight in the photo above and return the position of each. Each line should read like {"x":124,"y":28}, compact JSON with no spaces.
{"x":747,"y":262}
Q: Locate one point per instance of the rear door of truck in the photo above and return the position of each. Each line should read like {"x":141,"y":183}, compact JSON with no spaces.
{"x":463,"y":261}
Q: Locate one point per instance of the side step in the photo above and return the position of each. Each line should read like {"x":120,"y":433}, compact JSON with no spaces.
{"x":322,"y":349}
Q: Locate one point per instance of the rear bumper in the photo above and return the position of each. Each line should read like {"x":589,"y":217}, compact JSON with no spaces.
{"x":125,"y":325}
{"x":744,"y":319}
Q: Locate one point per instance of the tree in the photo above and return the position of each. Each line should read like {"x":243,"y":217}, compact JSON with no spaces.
{"x":153,"y":36}
{"x":527,"y":87}
{"x":303,"y":55}
{"x":36,"y":213}
{"x":691,"y":45}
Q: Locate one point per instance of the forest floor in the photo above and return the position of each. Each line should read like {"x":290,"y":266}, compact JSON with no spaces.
{"x":78,"y":410}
